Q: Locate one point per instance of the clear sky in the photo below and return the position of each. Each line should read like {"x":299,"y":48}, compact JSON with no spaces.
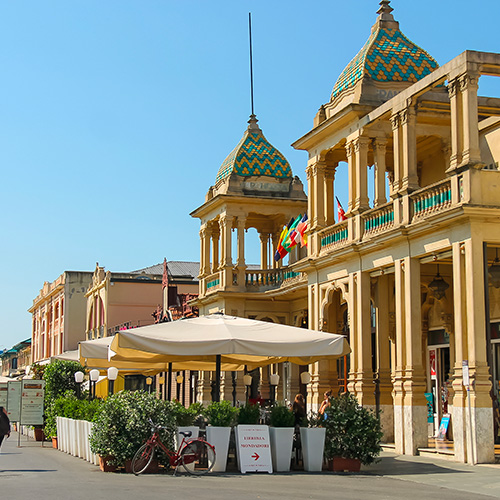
{"x":116,"y":115}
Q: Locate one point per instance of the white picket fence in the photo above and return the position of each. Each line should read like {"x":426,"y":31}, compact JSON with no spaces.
{"x":73,"y":438}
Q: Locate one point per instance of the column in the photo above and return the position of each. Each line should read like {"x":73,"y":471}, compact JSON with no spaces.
{"x":415,"y":405}
{"x":382,"y":308}
{"x":204,"y":252}
{"x":409,"y":181}
{"x":225,"y":224}
{"x":351,"y":164}
{"x":352,"y":318}
{"x":329,"y":198}
{"x":396,"y":133}
{"x":379,"y":150}
{"x":468,"y":87}
{"x":215,"y":249}
{"x":241,"y":251}
{"x":311,"y":204}
{"x":456,"y":128}
{"x":264,"y":238}
{"x":319,"y":169}
{"x":275,"y":238}
{"x":361,"y":186}
{"x":482,"y":411}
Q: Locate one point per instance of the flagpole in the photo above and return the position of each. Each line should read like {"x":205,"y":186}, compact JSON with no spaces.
{"x":251,"y":58}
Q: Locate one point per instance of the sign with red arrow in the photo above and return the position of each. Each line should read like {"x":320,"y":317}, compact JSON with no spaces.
{"x":256,"y":456}
{"x":254,"y":448}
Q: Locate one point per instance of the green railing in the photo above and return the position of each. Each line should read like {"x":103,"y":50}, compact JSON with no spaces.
{"x":379,"y":220}
{"x":433,"y":199}
{"x":335,"y":236}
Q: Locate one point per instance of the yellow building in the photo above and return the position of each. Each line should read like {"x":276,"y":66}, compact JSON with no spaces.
{"x":412,"y":275}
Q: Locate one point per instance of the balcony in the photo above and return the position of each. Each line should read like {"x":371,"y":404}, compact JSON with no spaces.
{"x":261,"y":280}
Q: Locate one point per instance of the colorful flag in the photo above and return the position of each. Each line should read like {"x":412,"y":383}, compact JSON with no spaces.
{"x":340,"y":211}
{"x":289,"y":242}
{"x":280,"y":251}
{"x":300,"y":230}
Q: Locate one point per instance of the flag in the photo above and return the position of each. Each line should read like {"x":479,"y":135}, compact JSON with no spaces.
{"x":280,"y":251}
{"x":340,"y":211}
{"x":300,"y":230}
{"x":289,"y":242}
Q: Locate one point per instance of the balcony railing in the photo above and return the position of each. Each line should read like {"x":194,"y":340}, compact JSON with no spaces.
{"x":335,"y":236}
{"x":378,"y":220}
{"x":430,"y":200}
{"x":213,"y":282}
{"x":271,"y":278}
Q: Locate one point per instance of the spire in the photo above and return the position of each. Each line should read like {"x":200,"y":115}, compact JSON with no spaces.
{"x":252,"y":124}
{"x":385,"y":11}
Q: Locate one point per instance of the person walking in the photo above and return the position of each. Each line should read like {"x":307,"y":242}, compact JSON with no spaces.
{"x":4,"y":424}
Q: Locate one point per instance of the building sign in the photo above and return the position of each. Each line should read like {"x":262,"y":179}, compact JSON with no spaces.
{"x":430,"y":407}
{"x":465,"y":373}
{"x":32,"y":402}
{"x":254,"y":448}
{"x":3,"y":394}
{"x":265,"y":186}
{"x":432,"y":363}
{"x":14,"y":400}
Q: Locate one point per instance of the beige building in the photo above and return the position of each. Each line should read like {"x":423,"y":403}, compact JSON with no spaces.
{"x":58,"y":315}
{"x":412,"y":275}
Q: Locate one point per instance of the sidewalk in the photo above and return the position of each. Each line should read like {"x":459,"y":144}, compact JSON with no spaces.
{"x":44,"y":473}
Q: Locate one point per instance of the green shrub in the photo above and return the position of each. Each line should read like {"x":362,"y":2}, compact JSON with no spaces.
{"x":249,"y":414}
{"x":282,"y":416}
{"x":122,"y":424}
{"x":351,"y":430}
{"x":221,"y":414}
{"x":59,"y":377}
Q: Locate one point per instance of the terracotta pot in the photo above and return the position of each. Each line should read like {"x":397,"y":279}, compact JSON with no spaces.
{"x":339,"y":464}
{"x":154,"y":467}
{"x":104,"y":464}
{"x":39,"y":435}
{"x":54,"y":442}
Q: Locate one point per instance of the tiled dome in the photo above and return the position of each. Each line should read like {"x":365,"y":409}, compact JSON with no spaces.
{"x":254,"y":155}
{"x":387,"y":56}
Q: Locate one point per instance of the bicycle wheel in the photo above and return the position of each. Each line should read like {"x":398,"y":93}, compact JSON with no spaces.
{"x":198,"y":457}
{"x":142,"y":458}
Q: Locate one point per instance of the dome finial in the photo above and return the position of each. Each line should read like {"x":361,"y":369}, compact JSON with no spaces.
{"x":252,"y":123}
{"x":385,"y":11}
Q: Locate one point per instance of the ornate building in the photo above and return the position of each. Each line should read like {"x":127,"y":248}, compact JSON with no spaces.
{"x":412,"y":275}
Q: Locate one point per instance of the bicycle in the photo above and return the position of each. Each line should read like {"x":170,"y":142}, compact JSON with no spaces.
{"x":196,"y":456}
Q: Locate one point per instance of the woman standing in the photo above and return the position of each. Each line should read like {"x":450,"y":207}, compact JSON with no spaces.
{"x":4,"y":424}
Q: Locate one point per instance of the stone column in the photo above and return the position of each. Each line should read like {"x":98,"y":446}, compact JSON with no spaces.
{"x":352,"y":318}
{"x":275,"y":238}
{"x":205,"y":251}
{"x":264,"y":238}
{"x":311,"y":204}
{"x":379,"y":150}
{"x":396,"y":133}
{"x":329,"y":195}
{"x":241,"y":251}
{"x":319,"y":170}
{"x":468,"y":87}
{"x":382,"y":308}
{"x":361,"y":202}
{"x":351,"y":163}
{"x":482,"y":411}
{"x":415,"y":405}
{"x":408,"y":120}
{"x":215,"y":249}
{"x":456,"y":128}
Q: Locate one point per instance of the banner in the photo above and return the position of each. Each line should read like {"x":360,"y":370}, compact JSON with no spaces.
{"x":14,"y":400}
{"x":32,"y":402}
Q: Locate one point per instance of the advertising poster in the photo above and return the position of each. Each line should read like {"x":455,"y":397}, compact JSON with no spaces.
{"x":443,"y":427}
{"x":3,"y":394}
{"x":32,"y":402}
{"x":14,"y":400}
{"x":254,"y":448}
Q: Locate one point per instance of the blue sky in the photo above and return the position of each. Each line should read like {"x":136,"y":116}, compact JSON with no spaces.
{"x":116,"y":115}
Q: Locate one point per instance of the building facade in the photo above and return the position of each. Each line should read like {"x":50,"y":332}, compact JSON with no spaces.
{"x":412,"y":275}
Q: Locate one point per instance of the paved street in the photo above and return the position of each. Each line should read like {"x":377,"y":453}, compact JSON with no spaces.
{"x":44,"y":473}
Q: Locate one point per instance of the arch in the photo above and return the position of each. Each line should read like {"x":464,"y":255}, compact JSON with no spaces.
{"x":269,"y":318}
{"x":335,"y":286}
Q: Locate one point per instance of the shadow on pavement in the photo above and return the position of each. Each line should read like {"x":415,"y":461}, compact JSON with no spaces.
{"x":393,"y":467}
{"x":27,"y":470}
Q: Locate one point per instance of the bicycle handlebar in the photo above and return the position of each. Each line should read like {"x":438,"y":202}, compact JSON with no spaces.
{"x":156,"y":427}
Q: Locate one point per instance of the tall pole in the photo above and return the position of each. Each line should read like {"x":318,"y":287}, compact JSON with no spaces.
{"x":217,"y":377}
{"x":169,"y":382}
{"x":251,"y":58}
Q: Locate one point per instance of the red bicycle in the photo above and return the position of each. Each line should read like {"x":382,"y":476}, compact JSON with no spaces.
{"x":195,"y":455}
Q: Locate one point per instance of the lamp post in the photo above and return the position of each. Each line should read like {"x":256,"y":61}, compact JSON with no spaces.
{"x":305,"y":378}
{"x":79,"y":379}
{"x":247,"y":380}
{"x":161,"y":382}
{"x":179,"y":379}
{"x":149,"y":381}
{"x":94,"y":377}
{"x":234,"y":376}
{"x":274,"y":380}
{"x":112,"y":376}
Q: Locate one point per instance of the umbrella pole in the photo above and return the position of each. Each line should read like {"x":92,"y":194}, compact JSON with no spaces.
{"x":169,"y":382}
{"x":217,"y":377}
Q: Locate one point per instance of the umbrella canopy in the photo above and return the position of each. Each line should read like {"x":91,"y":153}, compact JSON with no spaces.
{"x":238,"y":341}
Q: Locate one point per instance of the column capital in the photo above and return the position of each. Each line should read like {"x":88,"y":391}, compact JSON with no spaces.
{"x":469,"y":81}
{"x":452,"y":88}
{"x":407,"y":115}
{"x":360,"y":143}
{"x":395,"y":120}
{"x":379,"y":144}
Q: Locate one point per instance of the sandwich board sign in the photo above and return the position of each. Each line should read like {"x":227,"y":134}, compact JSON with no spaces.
{"x":3,"y":394}
{"x":14,"y":400}
{"x":32,"y":402}
{"x":254,"y":448}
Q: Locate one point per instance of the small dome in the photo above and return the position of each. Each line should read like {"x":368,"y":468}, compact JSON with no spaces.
{"x":387,"y":56}
{"x":254,"y":156}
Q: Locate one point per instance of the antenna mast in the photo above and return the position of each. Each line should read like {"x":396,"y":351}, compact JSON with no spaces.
{"x":251,"y":58}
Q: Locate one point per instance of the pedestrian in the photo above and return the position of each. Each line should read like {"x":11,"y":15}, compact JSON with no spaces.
{"x":4,"y":424}
{"x":299,"y":409}
{"x":326,"y":403}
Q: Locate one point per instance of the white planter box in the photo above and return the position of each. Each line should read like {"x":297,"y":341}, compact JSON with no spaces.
{"x":281,"y":447}
{"x":313,"y":445}
{"x":218,"y":437}
{"x":195,"y":432}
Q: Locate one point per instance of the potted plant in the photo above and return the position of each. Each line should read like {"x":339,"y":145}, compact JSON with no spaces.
{"x":353,"y":434}
{"x":221,"y":415}
{"x":281,"y":431}
{"x":122,"y":425}
{"x":312,"y":438}
{"x":185,"y":418}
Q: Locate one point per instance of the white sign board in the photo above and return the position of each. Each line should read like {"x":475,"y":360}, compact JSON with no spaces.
{"x":3,"y":394}
{"x":32,"y":402}
{"x":14,"y":400}
{"x":254,"y":448}
{"x":465,"y":373}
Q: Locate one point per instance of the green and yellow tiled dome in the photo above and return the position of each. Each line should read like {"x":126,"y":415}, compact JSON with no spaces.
{"x":254,"y":155}
{"x":387,"y":56}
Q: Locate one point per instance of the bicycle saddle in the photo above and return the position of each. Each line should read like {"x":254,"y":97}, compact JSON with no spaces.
{"x":186,"y":434}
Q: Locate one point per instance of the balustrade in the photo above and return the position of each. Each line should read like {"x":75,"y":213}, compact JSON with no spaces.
{"x":430,"y":200}
{"x":335,"y":236}
{"x":378,"y":220}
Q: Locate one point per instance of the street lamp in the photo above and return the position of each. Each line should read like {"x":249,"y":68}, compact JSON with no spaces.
{"x":305,"y":378}
{"x":94,"y":377}
{"x":274,"y":380}
{"x":79,"y":379}
{"x":149,"y":381}
{"x":179,"y":379}
{"x":247,"y":380}
{"x":112,"y":376}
